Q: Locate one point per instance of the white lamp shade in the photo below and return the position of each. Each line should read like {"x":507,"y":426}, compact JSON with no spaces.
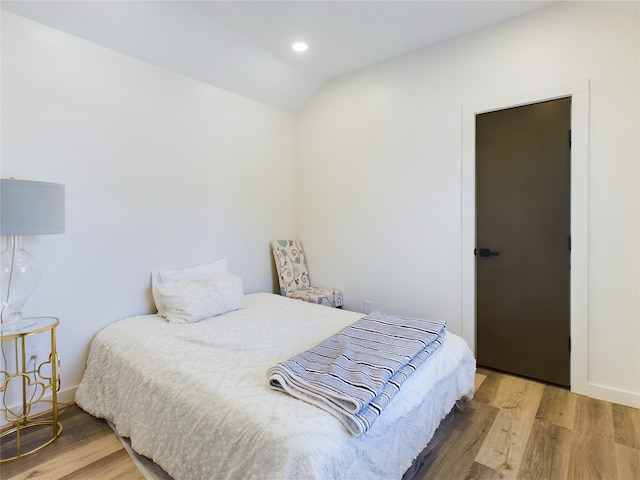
{"x":31,"y":208}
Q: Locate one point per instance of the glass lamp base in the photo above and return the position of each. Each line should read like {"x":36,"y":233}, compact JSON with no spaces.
{"x":19,"y":274}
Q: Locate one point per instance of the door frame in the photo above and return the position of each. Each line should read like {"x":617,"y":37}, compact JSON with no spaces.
{"x":579,"y":93}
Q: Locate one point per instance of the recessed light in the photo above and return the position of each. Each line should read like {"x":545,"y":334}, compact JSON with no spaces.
{"x":300,"y":47}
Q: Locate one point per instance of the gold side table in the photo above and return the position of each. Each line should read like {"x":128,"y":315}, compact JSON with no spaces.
{"x":34,"y":381}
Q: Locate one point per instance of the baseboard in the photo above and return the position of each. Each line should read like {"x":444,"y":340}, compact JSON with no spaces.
{"x":65,"y":396}
{"x":608,"y":394}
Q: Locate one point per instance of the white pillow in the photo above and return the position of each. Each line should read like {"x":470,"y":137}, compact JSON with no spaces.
{"x":188,"y":301}
{"x":199,"y":271}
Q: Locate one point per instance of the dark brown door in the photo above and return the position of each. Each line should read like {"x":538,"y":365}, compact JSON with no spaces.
{"x":523,"y":240}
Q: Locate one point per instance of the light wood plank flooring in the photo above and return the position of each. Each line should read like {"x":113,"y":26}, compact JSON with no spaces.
{"x":513,"y":429}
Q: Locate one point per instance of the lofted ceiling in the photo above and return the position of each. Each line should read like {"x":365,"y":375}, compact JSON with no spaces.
{"x":245,"y":46}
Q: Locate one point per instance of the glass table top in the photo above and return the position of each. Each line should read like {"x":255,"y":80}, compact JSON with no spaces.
{"x":27,"y":326}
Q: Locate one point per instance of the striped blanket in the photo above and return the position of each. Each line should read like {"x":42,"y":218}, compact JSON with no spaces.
{"x":355,"y":373}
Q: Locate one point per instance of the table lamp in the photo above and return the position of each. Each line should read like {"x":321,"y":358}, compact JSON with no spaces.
{"x":27,"y":208}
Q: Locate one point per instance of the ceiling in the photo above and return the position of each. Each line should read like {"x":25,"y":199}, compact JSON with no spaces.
{"x":245,"y":46}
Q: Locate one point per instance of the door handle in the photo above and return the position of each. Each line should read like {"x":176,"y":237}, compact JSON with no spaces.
{"x":485,"y":252}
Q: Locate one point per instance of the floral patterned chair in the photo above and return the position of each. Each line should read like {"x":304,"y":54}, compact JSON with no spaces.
{"x":293,"y":275}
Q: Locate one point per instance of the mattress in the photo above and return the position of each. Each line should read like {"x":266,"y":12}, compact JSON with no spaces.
{"x":195,"y":397}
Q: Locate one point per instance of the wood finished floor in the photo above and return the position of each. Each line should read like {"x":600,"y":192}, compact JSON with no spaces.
{"x":512,"y":429}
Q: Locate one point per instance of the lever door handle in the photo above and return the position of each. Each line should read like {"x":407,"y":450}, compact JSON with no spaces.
{"x":485,"y":252}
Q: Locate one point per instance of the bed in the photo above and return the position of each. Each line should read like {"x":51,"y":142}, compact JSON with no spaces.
{"x":196,"y":400}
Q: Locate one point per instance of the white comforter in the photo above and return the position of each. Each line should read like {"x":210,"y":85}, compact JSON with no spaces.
{"x":195,"y":397}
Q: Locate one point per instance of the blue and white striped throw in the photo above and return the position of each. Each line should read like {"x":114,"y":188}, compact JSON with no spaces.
{"x":356,"y":372}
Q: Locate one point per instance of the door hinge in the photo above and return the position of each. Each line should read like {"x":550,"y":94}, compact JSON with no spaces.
{"x":569,"y":138}
{"x":569,"y":343}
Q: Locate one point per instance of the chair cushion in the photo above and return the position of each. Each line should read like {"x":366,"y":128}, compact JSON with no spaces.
{"x":330,"y":297}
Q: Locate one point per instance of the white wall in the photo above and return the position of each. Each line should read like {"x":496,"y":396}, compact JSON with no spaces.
{"x":161,"y":172}
{"x":379,"y":194}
